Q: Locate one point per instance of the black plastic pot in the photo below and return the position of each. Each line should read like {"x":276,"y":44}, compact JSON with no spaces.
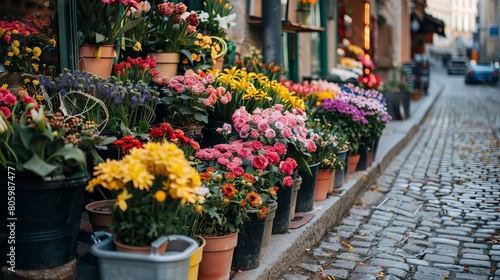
{"x":212,"y":137}
{"x":398,"y":105}
{"x":365,"y":146}
{"x":247,"y":253}
{"x":305,"y":196}
{"x":281,"y":222}
{"x":376,"y":140}
{"x":47,"y":221}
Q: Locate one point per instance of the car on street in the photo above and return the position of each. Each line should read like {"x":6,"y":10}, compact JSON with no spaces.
{"x":457,"y":65}
{"x":482,"y":73}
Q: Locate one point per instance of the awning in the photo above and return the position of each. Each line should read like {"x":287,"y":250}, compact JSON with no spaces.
{"x":433,"y":25}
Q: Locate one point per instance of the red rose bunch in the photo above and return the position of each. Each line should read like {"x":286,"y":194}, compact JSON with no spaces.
{"x":164,"y":131}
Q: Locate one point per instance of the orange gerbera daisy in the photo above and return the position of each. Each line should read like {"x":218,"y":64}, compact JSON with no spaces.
{"x":254,"y":199}
{"x":273,"y":190}
{"x":262,"y":212}
{"x":205,"y":176}
{"x":229,"y":190}
{"x":211,"y":169}
{"x":230,"y":175}
{"x":249,"y":178}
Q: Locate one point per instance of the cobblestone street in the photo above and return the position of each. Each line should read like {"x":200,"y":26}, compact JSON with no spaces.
{"x":434,"y":212}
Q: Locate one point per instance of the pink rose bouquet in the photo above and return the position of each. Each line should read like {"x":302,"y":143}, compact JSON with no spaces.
{"x":276,"y":125}
{"x":189,"y":97}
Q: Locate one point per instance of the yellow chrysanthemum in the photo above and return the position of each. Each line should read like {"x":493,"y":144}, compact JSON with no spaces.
{"x":53,"y":42}
{"x":121,"y":200}
{"x":15,"y":43}
{"x":36,"y":53}
{"x":10,"y":54}
{"x":16,"y":50}
{"x":325,"y":94}
{"x":108,"y":171}
{"x":15,"y":32}
{"x":137,"y":47}
{"x":35,"y":67}
{"x":137,"y":173}
{"x":7,"y":63}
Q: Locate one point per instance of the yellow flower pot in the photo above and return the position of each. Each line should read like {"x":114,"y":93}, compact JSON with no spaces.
{"x":194,"y":261}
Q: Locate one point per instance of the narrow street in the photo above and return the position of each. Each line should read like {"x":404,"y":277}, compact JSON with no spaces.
{"x":434,"y":212}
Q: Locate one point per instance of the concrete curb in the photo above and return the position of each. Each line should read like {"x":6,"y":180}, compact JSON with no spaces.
{"x":286,"y":248}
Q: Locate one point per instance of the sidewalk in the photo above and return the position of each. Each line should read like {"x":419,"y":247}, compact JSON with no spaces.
{"x":284,"y":249}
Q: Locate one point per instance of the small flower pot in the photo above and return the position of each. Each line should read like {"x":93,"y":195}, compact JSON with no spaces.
{"x":100,"y":214}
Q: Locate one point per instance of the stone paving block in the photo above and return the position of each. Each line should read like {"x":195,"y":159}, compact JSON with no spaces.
{"x":403,"y":224}
{"x":444,"y":241}
{"x":337,"y":273}
{"x":397,"y":272}
{"x":350,"y":257}
{"x":334,"y":239}
{"x":318,"y":253}
{"x":310,"y":267}
{"x":411,"y":261}
{"x":389,"y":257}
{"x":469,"y":276}
{"x":439,"y":258}
{"x":413,"y":248}
{"x":476,"y":257}
{"x":343,"y":264}
{"x":361,"y":251}
{"x":362,"y":277}
{"x":294,"y":277}
{"x":360,"y":244}
{"x":392,"y":235}
{"x":346,"y":228}
{"x":475,"y":245}
{"x":427,"y":273}
{"x":390,"y":277}
{"x":368,"y":269}
{"x":367,"y":238}
{"x":456,"y":237}
{"x":473,"y":251}
{"x":480,"y":270}
{"x":330,"y":246}
{"x":450,"y":267}
{"x":469,"y":262}
{"x":495,"y":252}
{"x":389,"y":263}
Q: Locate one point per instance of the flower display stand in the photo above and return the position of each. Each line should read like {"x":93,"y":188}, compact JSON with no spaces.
{"x":174,"y":264}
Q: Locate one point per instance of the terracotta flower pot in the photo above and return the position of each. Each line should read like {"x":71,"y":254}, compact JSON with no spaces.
{"x":219,"y":64}
{"x":323,"y":182}
{"x":100,"y":214}
{"x":145,"y":250}
{"x":217,"y":257}
{"x":97,"y":59}
{"x":268,"y":228}
{"x":166,"y":64}
{"x":353,"y":162}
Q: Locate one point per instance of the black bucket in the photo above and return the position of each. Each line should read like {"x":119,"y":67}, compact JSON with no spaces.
{"x":365,"y":146}
{"x":281,"y":222}
{"x":47,"y":221}
{"x":305,"y":196}
{"x":247,"y":253}
{"x":339,"y":175}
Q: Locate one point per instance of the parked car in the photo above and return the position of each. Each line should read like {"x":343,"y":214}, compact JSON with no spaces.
{"x":482,"y":73}
{"x":457,"y":65}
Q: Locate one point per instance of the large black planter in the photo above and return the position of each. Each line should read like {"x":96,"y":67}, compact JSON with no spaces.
{"x":212,"y":137}
{"x":398,"y":105}
{"x":365,"y":148}
{"x":281,"y":222}
{"x":247,"y":252}
{"x":47,"y":221}
{"x":339,"y":175}
{"x":305,"y":196}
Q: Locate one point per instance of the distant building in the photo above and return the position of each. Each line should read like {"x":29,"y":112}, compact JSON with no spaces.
{"x":460,"y":17}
